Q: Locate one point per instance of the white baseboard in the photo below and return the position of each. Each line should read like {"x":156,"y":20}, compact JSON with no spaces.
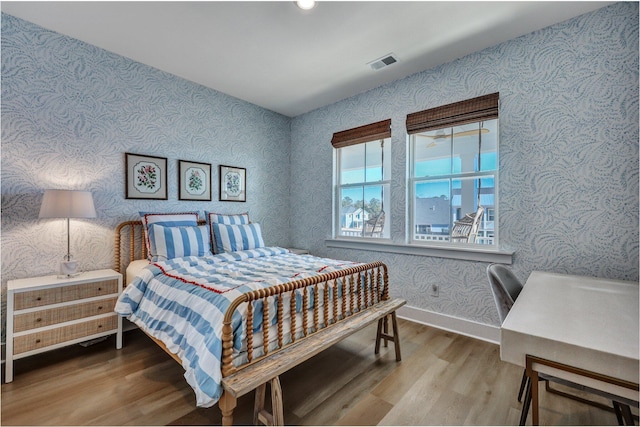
{"x":460,"y":326}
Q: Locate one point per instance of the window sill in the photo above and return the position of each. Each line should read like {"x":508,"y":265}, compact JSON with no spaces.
{"x":467,"y":254}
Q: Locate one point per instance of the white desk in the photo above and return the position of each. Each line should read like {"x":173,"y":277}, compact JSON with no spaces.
{"x":582,"y":329}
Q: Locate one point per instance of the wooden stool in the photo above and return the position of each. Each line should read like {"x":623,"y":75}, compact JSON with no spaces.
{"x":261,"y":415}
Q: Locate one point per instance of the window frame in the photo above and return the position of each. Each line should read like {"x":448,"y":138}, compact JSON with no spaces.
{"x":375,"y":132}
{"x":469,"y":111}
{"x":411,"y":196}
{"x":337,"y":199}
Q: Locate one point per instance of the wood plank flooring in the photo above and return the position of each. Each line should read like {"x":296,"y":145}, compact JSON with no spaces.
{"x":443,"y":379}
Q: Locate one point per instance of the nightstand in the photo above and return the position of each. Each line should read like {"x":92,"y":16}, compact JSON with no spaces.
{"x":45,"y":313}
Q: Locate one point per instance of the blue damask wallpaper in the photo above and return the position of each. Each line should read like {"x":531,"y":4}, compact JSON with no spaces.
{"x":568,"y":194}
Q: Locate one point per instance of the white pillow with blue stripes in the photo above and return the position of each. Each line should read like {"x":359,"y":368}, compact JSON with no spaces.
{"x":237,"y":237}
{"x":176,"y":242}
{"x":216,"y":218}
{"x":180,"y":219}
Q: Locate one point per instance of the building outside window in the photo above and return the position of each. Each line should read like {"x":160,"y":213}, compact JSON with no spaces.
{"x":362,"y":181}
{"x":454,"y":173}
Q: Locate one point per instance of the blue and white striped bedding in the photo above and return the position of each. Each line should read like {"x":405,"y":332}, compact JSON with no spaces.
{"x":182,"y":303}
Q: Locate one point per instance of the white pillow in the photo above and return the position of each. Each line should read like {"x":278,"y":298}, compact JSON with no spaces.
{"x":237,"y":237}
{"x":176,"y":242}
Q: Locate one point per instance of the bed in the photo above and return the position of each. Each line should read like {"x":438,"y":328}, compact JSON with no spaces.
{"x":219,"y":314}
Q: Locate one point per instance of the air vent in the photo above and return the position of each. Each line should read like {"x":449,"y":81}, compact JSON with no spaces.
{"x":383,"y":62}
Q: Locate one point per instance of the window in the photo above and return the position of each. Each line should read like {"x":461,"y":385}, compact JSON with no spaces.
{"x":363,"y":159}
{"x":453,"y":173}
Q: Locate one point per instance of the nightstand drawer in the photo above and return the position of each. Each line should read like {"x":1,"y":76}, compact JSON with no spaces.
{"x":37,"y":340}
{"x":60,"y":294}
{"x":39,"y":319}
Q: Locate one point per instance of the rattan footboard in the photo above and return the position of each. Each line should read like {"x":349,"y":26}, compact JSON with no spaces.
{"x":326,"y":300}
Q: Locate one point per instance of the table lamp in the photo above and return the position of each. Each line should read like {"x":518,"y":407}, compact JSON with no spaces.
{"x":67,"y":204}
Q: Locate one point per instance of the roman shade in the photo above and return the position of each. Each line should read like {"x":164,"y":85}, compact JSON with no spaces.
{"x":371,"y":132}
{"x":471,"y":110}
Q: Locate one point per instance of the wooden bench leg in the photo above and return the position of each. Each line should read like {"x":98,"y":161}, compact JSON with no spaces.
{"x":379,"y":335}
{"x":258,"y":405}
{"x":276,"y":402}
{"x":227,"y":404}
{"x":383,"y":334}
{"x":396,"y":336}
{"x":260,"y":414}
{"x":385,"y":330}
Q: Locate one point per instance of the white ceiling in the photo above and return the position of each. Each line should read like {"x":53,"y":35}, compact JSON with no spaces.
{"x":291,"y":61}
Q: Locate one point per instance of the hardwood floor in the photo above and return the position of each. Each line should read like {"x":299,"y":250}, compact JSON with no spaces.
{"x":443,"y":379}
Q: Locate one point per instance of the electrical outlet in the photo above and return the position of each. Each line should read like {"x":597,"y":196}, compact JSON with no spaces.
{"x":435,"y":290}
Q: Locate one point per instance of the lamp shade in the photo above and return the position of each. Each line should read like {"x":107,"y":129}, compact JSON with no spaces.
{"x":67,"y":204}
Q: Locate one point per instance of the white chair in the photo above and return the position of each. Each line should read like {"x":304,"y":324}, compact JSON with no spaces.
{"x":465,"y":229}
{"x":375,"y":226}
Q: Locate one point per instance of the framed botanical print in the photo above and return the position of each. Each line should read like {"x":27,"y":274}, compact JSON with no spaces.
{"x":194,"y":180}
{"x":146,"y":177}
{"x":233,"y":182}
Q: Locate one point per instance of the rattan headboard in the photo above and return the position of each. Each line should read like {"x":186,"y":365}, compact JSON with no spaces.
{"x":129,"y":244}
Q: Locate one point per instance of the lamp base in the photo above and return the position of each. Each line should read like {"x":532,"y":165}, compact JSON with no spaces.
{"x":68,"y":269}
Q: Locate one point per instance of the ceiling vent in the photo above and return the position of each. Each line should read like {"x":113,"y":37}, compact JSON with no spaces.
{"x":383,"y":62}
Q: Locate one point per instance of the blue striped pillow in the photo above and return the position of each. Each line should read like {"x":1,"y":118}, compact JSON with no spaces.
{"x":176,"y":242}
{"x":215,"y":218}
{"x":240,"y":237}
{"x":181,"y":219}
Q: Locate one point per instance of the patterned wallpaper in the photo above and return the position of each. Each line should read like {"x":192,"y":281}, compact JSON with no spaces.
{"x":71,"y":110}
{"x":568,"y":153}
{"x":568,"y":195}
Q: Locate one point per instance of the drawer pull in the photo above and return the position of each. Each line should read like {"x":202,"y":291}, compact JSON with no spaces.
{"x":39,"y":319}
{"x":99,"y":326}
{"x":99,"y":289}
{"x":100,"y":307}
{"x":39,"y":299}
{"x":38,"y":341}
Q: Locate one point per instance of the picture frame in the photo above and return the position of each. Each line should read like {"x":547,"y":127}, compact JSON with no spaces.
{"x":233,"y":184}
{"x":194,"y":180}
{"x":145,"y":177}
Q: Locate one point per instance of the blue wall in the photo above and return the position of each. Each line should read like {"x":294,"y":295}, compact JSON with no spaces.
{"x":71,"y":110}
{"x":568,"y":195}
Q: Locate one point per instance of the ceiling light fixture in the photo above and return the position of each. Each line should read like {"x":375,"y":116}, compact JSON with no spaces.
{"x":306,"y":4}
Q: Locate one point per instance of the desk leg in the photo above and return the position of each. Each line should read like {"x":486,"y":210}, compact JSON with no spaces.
{"x":533,"y":378}
{"x":534,"y":399}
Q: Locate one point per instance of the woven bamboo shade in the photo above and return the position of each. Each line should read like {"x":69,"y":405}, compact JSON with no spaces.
{"x":471,"y":110}
{"x":371,"y":132}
